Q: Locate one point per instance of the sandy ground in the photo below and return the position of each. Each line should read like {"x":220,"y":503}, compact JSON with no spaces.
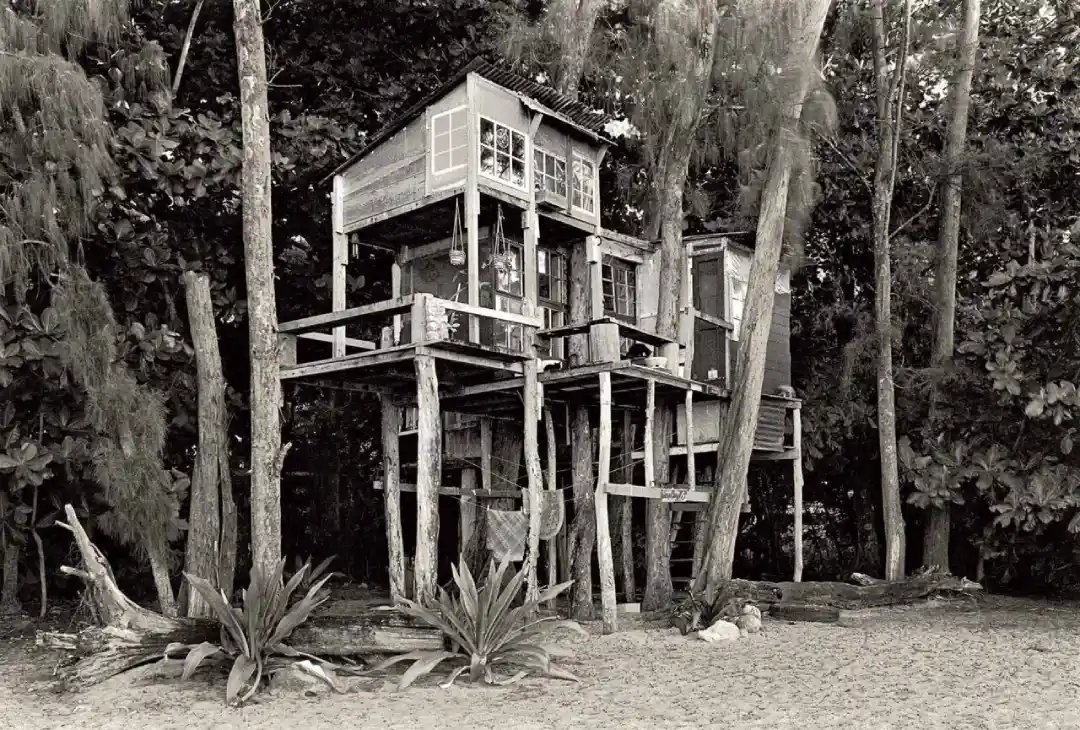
{"x":1002,"y":664}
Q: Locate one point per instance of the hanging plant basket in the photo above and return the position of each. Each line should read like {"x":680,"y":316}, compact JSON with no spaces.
{"x":457,"y":257}
{"x":457,"y":244}
{"x":501,"y":262}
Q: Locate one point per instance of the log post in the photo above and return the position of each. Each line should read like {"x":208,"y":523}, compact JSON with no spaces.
{"x":603,"y":527}
{"x":650,"y":409}
{"x":552,"y":485}
{"x":391,"y":463}
{"x":626,"y":511}
{"x":796,"y":428}
{"x":468,"y":511}
{"x":533,"y":474}
{"x":339,"y":275}
{"x":428,"y":477}
{"x":604,"y":343}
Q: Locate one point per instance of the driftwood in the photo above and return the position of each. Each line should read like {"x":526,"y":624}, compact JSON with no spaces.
{"x":805,"y":612}
{"x":844,"y":595}
{"x":133,"y":636}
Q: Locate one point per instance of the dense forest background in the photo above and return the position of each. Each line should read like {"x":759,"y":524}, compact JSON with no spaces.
{"x":341,"y":69}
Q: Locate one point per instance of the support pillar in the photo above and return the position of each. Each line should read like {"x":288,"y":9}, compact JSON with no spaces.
{"x":603,"y":526}
{"x":796,"y":420}
{"x":533,"y":474}
{"x":428,"y":476}
{"x":391,"y":463}
{"x":553,"y":486}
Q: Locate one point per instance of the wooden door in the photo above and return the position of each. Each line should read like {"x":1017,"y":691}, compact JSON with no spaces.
{"x":710,"y":340}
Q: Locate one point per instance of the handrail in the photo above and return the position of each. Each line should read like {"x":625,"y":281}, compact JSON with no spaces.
{"x":511,"y":317}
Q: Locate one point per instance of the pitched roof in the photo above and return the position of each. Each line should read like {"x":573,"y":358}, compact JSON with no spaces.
{"x":549,"y":102}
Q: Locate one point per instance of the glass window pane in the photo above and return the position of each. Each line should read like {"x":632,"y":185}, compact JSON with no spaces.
{"x":440,"y":143}
{"x":502,"y":139}
{"x":459,"y":156}
{"x":542,"y":261}
{"x":442,"y":161}
{"x":459,"y":120}
{"x":441,"y":124}
{"x":502,"y":166}
{"x":487,"y":133}
{"x":487,"y":160}
{"x":518,"y":141}
{"x":518,"y":172}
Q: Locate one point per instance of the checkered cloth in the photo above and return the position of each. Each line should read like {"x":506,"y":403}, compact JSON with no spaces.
{"x":506,"y":534}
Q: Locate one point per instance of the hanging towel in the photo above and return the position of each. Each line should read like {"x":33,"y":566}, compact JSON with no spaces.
{"x":506,"y":534}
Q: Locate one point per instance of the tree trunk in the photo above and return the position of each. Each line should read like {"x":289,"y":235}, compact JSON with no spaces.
{"x":267,"y":452}
{"x":867,"y":543}
{"x":158,"y":557}
{"x":9,"y":589}
{"x":936,"y":539}
{"x":740,"y":418}
{"x":584,"y":526}
{"x":208,"y":548}
{"x":888,"y":89}
{"x":573,"y":26}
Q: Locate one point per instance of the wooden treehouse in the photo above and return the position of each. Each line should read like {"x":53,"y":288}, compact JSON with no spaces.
{"x":511,"y":306}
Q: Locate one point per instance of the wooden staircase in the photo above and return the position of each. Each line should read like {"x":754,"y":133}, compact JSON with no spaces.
{"x":685,"y":521}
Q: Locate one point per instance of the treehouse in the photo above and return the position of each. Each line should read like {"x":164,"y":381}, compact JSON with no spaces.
{"x":512,"y":306}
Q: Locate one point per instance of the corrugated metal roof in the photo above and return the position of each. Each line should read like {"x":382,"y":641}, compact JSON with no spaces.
{"x":564,"y":108}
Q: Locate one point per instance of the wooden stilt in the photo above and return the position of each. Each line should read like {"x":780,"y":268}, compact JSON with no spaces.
{"x":796,"y":419}
{"x":485,"y":453}
{"x":650,"y":408}
{"x":391,"y":462}
{"x":468,"y":510}
{"x":691,"y":467}
{"x":552,"y":484}
{"x":626,"y":512}
{"x":428,"y":476}
{"x":534,"y":476}
{"x":603,"y":527}
{"x":339,"y":275}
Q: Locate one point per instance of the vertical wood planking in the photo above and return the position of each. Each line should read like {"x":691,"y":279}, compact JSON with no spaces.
{"x":428,"y":476}
{"x":391,"y":462}
{"x":603,"y":526}
{"x":340,"y":258}
{"x":796,"y":417}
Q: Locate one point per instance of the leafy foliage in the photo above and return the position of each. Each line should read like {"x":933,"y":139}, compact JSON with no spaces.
{"x":253,"y":635}
{"x":486,"y":630}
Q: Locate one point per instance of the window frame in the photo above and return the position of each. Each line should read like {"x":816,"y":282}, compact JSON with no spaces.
{"x":504,"y":333}
{"x":525,"y":159}
{"x":450,"y":140}
{"x":551,"y":306}
{"x":614,"y":263}
{"x":729,"y":300}
{"x":544,"y":177}
{"x":579,"y":158}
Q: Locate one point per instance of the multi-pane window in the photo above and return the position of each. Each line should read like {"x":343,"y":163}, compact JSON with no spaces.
{"x":619,"y":280}
{"x":584,"y":186}
{"x":502,"y":153}
{"x":549,"y":173}
{"x":736,"y":302}
{"x":508,"y":294}
{"x":449,"y":140}
{"x":552,"y":292}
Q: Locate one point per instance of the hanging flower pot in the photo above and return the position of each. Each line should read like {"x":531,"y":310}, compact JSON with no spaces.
{"x":457,"y":257}
{"x":501,"y":262}
{"x":457,"y":245}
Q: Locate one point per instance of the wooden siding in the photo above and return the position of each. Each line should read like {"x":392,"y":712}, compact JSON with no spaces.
{"x":457,"y":98}
{"x":391,"y":176}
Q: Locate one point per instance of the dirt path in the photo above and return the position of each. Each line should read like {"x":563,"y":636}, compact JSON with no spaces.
{"x":1005,"y":664}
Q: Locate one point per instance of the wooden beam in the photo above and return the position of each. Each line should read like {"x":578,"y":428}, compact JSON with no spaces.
{"x":348,"y":341}
{"x":534,"y":477}
{"x":349,"y":362}
{"x":286,"y":351}
{"x":523,"y":319}
{"x":401,"y":305}
{"x":428,"y":473}
{"x":604,"y":556}
{"x":636,"y":490}
{"x":340,"y":263}
{"x":485,"y":453}
{"x":796,"y":420}
{"x":445,"y":491}
{"x":596,"y":286}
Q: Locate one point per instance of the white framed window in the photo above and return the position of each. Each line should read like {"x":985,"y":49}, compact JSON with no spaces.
{"x":584,"y":185}
{"x":502,"y":153}
{"x":619,"y":281}
{"x":509,"y":290}
{"x":450,"y":140}
{"x":736,"y":304}
{"x":549,"y":172}
{"x":552,"y":287}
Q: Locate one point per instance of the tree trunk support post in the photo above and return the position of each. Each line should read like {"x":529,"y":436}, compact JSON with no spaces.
{"x":339,"y":277}
{"x":428,"y":476}
{"x":650,"y":409}
{"x":391,"y":463}
{"x":796,"y":428}
{"x":603,"y":526}
{"x":553,"y":486}
{"x":626,"y":512}
{"x":532,"y":472}
{"x":467,"y":516}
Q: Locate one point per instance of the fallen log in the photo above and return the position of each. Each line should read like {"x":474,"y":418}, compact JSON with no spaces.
{"x":133,"y":636}
{"x":844,"y":595}
{"x":805,"y":612}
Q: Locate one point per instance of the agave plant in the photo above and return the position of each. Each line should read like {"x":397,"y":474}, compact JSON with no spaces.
{"x":313,"y":574}
{"x":486,"y":631}
{"x":253,"y":635}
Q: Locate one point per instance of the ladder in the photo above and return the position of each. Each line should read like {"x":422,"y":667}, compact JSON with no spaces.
{"x":685,"y":524}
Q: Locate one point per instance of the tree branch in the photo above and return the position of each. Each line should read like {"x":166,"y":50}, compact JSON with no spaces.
{"x":918,"y":213}
{"x":186,"y":47}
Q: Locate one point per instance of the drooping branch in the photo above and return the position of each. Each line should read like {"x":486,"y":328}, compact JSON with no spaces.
{"x":185,"y":48}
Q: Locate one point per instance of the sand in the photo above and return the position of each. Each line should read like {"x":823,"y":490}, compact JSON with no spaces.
{"x":1003,"y":664}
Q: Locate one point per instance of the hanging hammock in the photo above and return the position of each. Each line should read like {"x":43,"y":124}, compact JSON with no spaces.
{"x":457,"y":246}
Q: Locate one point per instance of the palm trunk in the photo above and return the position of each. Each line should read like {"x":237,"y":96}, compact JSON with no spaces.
{"x":936,"y":539}
{"x":267,"y":453}
{"x":884,"y":183}
{"x":158,"y":555}
{"x":740,"y":417}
